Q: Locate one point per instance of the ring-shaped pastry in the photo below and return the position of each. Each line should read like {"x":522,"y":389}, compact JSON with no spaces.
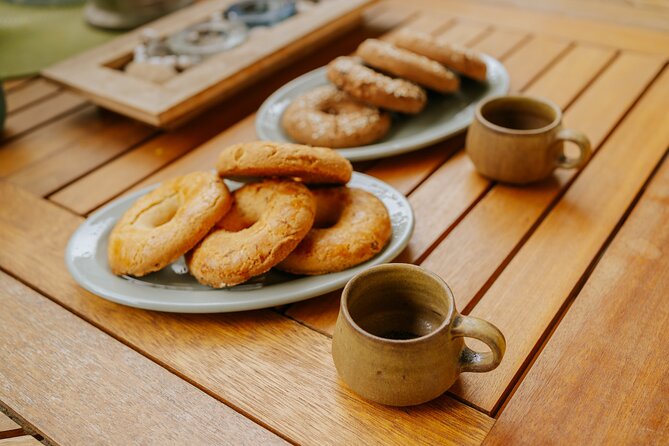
{"x":329,"y":117}
{"x":311,"y":165}
{"x":351,"y":226}
{"x":456,"y":57}
{"x":366,"y":85}
{"x":408,"y":65}
{"x":267,"y":221}
{"x":164,"y":224}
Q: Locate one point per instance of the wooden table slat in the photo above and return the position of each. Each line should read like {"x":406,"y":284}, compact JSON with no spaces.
{"x":29,"y":94}
{"x":44,"y":141}
{"x":533,"y":57}
{"x":497,"y":225}
{"x":94,"y":149}
{"x":8,"y":428}
{"x":585,"y":30}
{"x":68,"y":358}
{"x":602,"y":376}
{"x":527,"y":296}
{"x":25,"y":440}
{"x":60,"y":104}
{"x":295,"y":389}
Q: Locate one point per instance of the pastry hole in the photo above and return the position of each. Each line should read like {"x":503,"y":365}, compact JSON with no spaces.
{"x":159,"y":213}
{"x":328,"y":213}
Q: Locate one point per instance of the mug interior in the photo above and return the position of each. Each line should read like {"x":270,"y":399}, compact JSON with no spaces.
{"x":519,"y":114}
{"x":398,"y":302}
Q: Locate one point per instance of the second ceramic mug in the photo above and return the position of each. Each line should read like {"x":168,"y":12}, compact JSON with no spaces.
{"x":399,"y":339}
{"x":520,"y":139}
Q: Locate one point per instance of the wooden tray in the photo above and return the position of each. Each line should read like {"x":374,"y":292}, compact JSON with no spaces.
{"x":97,"y":75}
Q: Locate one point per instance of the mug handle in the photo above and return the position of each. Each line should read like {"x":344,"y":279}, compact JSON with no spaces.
{"x":473,"y":327}
{"x":581,"y":141}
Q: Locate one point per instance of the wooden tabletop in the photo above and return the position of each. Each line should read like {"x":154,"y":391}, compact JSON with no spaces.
{"x":574,"y":270}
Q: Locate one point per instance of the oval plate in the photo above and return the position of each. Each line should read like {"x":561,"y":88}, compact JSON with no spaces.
{"x":444,"y":115}
{"x":173,"y":289}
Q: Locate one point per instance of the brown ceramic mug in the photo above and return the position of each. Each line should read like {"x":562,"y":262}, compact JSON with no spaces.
{"x":520,"y":139}
{"x":399,"y":339}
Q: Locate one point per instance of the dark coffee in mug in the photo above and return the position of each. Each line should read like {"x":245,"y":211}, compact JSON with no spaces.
{"x":398,"y":316}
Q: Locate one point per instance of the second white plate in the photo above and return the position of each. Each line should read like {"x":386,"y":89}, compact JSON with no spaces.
{"x":444,"y":116}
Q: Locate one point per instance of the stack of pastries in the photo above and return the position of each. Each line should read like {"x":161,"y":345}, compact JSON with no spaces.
{"x":297,"y":215}
{"x":383,"y":77}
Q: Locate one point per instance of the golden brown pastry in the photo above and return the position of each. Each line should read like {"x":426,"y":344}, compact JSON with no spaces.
{"x":164,"y":224}
{"x":351,"y":226}
{"x":267,"y":221}
{"x":312,"y":165}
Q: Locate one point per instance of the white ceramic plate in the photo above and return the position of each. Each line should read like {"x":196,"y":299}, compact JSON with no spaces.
{"x":444,"y":115}
{"x":173,"y":289}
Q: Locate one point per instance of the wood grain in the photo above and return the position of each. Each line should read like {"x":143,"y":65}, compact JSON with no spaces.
{"x":12,"y":84}
{"x":25,"y":440}
{"x":465,"y":33}
{"x":94,"y":149}
{"x":269,"y":367}
{"x":611,"y":386}
{"x":652,"y":14}
{"x":496,"y":226}
{"x":29,"y":94}
{"x":44,"y":141}
{"x":500,"y":42}
{"x":572,"y":28}
{"x":49,"y":109}
{"x":541,"y":276}
{"x":528,"y":61}
{"x":571,"y":74}
{"x":76,"y":372}
{"x":8,"y":428}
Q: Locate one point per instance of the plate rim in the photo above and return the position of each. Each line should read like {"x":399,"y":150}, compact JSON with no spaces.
{"x":364,"y":153}
{"x":314,"y":290}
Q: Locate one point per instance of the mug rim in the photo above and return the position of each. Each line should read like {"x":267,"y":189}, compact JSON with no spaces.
{"x":509,"y":131}
{"x":447,"y":318}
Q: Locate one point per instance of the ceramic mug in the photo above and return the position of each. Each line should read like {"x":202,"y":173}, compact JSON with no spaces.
{"x":520,"y":139}
{"x":399,"y":339}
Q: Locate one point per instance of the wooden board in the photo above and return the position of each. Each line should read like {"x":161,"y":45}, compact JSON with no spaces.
{"x":25,"y":440}
{"x":29,"y":118}
{"x":295,"y":386}
{"x":602,"y":376}
{"x":29,"y":94}
{"x":540,"y":277}
{"x":584,"y":30}
{"x":8,"y":428}
{"x":83,"y":384}
{"x":219,"y":76}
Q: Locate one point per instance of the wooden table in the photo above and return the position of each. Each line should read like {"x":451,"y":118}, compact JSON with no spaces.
{"x":574,"y":271}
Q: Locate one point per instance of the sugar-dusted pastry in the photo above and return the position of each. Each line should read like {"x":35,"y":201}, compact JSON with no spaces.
{"x":456,"y":57}
{"x":408,"y":65}
{"x":330,"y":117}
{"x":366,"y":85}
